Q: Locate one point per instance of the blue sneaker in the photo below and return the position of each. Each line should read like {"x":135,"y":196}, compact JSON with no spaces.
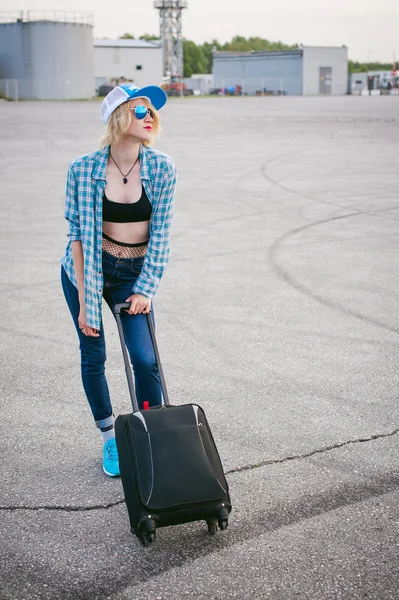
{"x":110,"y":459}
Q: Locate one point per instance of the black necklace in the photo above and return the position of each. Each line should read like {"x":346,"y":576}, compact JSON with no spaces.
{"x":124,"y":176}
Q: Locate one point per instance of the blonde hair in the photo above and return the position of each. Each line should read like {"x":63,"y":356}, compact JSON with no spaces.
{"x":119,"y":123}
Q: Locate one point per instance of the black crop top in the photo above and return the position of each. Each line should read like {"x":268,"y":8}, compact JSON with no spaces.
{"x":120,"y":212}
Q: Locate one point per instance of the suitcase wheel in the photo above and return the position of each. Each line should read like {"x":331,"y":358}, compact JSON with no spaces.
{"x":223,"y":524}
{"x":212,"y":527}
{"x":147,"y":538}
{"x":146,"y":531}
{"x":223,"y":517}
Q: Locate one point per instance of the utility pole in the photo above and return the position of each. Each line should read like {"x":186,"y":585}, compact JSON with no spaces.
{"x":170,"y":14}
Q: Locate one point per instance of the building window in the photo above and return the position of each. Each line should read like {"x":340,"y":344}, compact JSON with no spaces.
{"x":139,"y":67}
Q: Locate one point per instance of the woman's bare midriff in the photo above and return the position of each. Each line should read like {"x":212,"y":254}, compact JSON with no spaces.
{"x":127,"y":233}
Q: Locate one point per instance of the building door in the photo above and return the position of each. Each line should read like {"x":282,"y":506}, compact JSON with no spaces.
{"x":325,"y":85}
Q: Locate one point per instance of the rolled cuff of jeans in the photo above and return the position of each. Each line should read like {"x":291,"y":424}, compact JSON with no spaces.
{"x":106,"y":424}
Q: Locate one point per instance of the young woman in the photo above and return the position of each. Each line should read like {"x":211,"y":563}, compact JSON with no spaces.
{"x":119,"y":207}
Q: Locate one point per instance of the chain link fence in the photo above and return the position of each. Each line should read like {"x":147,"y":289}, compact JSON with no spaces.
{"x":38,"y":89}
{"x":257,"y":86}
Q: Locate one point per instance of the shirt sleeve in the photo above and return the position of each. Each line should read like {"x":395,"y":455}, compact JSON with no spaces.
{"x":71,"y":212}
{"x":158,"y":250}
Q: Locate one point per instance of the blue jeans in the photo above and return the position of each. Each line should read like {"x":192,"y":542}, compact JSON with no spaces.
{"x":120,"y":275}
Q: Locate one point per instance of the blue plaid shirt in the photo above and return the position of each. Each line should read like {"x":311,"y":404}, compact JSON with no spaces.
{"x":83,"y":209}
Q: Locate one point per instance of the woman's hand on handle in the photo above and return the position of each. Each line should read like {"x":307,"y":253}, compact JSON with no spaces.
{"x":84,"y":327}
{"x":138,"y":304}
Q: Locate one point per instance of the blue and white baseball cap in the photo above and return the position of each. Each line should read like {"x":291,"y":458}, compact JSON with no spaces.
{"x":124,"y":93}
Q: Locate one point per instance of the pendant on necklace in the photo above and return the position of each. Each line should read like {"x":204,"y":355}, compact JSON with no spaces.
{"x":124,"y":180}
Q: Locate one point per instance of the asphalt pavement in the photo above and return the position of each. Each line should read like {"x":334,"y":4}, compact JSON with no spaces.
{"x":278,"y":313}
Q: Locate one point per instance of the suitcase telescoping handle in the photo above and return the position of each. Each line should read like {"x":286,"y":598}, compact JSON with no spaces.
{"x":133,"y":397}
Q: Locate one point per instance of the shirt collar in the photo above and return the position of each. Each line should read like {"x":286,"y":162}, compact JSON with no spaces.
{"x":100,"y":165}
{"x":144,"y":163}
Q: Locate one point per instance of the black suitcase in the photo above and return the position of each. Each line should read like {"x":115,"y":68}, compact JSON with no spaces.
{"x":170,"y":468}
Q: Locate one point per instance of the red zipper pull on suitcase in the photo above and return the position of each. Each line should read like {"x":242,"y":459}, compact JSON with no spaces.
{"x":146,"y":405}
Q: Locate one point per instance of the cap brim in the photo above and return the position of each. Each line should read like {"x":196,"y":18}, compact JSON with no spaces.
{"x":154,"y":93}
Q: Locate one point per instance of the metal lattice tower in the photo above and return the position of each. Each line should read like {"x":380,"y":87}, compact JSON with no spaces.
{"x":170,"y":14}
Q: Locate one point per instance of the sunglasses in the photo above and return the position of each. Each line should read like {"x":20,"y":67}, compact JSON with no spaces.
{"x":142,"y":111}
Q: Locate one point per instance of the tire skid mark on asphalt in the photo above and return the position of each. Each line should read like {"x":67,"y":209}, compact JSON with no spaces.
{"x":318,"y":201}
{"x":282,"y":273}
{"x":238,"y":191}
{"x":197,"y":187}
{"x":286,"y":276}
{"x":265,"y":174}
{"x":240,"y":469}
{"x":233,"y":184}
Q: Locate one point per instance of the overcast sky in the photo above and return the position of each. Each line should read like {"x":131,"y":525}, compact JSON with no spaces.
{"x":370,"y":28}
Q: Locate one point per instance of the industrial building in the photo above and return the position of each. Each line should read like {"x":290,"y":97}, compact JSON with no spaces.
{"x":52,"y":55}
{"x":374,"y":83}
{"x":138,"y":61}
{"x":309,"y":70}
{"x":46,"y":55}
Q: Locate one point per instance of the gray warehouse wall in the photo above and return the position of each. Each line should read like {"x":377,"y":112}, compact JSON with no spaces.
{"x":271,"y":72}
{"x":111,"y":63}
{"x":47,"y":60}
{"x":315,"y":58}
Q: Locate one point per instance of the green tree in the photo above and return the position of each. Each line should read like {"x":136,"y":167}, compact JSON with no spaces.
{"x":255,"y":44}
{"x":237,"y":44}
{"x":194,"y":60}
{"x":207,"y":49}
{"x":358,"y":67}
{"x":149,"y":37}
{"x":127,"y":36}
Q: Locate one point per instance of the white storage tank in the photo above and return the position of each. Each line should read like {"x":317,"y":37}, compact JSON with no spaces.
{"x":46,"y":55}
